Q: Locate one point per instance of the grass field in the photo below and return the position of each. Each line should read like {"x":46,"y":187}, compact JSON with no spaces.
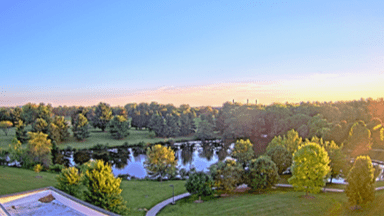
{"x":138,"y":194}
{"x":97,"y":137}
{"x":277,"y":202}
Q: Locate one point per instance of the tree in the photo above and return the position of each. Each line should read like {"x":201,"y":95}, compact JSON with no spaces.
{"x":187,"y":125}
{"x":227,"y":175}
{"x":5,"y":125}
{"x":262,"y":174}
{"x":359,"y":140}
{"x":310,"y":167}
{"x":160,"y":161}
{"x":16,"y":115}
{"x":40,"y":125}
{"x":291,"y":142}
{"x":281,"y":157}
{"x":29,"y":113}
{"x":58,"y":129}
{"x":172,"y":121}
{"x":39,"y":148}
{"x":318,"y":126}
{"x":158,"y":125}
{"x":69,"y":181}
{"x":204,"y":131}
{"x":361,"y":181}
{"x":80,"y":128}
{"x":103,"y":189}
{"x":338,"y":160}
{"x":103,"y":114}
{"x":37,"y":168}
{"x":119,"y":127}
{"x":243,"y":151}
{"x":199,"y":183}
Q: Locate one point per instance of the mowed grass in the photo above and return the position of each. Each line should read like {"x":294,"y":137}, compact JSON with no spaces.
{"x":97,"y":137}
{"x":138,"y":194}
{"x":277,"y":202}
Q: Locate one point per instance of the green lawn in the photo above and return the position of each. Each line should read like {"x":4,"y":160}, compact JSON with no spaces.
{"x":277,"y":202}
{"x":138,"y":194}
{"x":97,"y":137}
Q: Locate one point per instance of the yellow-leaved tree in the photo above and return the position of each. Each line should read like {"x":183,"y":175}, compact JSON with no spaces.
{"x":102,"y":187}
{"x":69,"y":181}
{"x":160,"y":162}
{"x":39,"y":148}
{"x":5,"y":125}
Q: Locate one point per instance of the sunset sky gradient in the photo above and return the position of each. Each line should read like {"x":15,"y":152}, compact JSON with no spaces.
{"x":190,"y":52}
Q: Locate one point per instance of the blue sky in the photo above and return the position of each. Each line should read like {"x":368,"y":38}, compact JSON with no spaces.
{"x":195,"y":52}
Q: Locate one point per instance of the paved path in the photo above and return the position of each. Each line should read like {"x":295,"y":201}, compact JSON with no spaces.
{"x":153,"y":211}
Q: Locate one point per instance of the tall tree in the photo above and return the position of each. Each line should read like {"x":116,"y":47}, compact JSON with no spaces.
{"x":29,"y":114}
{"x":39,"y":148}
{"x":359,"y":140}
{"x":119,"y":127}
{"x":160,"y":161}
{"x":103,"y":115}
{"x":80,"y":128}
{"x":58,"y":129}
{"x":243,"y":152}
{"x":310,"y":167}
{"x":361,"y":181}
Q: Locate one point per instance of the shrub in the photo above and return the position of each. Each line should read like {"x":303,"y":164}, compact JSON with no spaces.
{"x":80,"y":127}
{"x":37,"y":168}
{"x":310,"y":167}
{"x":227,"y":175}
{"x":199,"y":183}
{"x":103,"y":189}
{"x":361,"y":181}
{"x":262,"y":173}
{"x":281,"y":157}
{"x":69,"y":181}
{"x":81,"y":157}
{"x":56,"y":168}
{"x":39,"y":148}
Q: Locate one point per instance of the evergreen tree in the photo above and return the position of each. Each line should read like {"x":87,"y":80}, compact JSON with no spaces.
{"x":119,"y":127}
{"x":361,"y":181}
{"x":80,"y":128}
{"x":21,"y":133}
{"x":103,"y":114}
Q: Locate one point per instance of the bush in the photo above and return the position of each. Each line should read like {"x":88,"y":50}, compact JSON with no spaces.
{"x":227,"y":175}
{"x":281,"y":157}
{"x":81,"y":157}
{"x":200,"y":183}
{"x":262,"y":173}
{"x":56,"y":168}
{"x":361,"y":181}
{"x":69,"y":181}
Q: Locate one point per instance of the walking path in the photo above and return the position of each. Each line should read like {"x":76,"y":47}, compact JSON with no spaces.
{"x":153,"y":211}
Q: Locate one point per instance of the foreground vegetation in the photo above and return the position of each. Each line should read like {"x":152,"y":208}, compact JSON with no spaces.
{"x":138,"y":194}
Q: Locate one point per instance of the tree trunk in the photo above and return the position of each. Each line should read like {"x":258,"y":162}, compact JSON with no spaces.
{"x":331,"y":179}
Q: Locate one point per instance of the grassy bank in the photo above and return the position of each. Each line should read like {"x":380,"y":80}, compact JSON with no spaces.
{"x":277,"y":202}
{"x":99,"y":137}
{"x":138,"y":194}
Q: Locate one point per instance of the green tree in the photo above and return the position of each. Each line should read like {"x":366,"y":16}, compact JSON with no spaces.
{"x":16,"y":115}
{"x":119,"y":127}
{"x":200,"y":183}
{"x":291,"y":142}
{"x":160,"y":161}
{"x":204,"y":131}
{"x":80,"y":128}
{"x":103,"y":189}
{"x":158,"y":125}
{"x":69,"y":181}
{"x":103,"y":114}
{"x":262,"y":174}
{"x":172,"y":121}
{"x":29,"y":114}
{"x":40,"y":125}
{"x":361,"y":181}
{"x":44,"y":112}
{"x":5,"y":125}
{"x":58,"y":129}
{"x":39,"y":148}
{"x":318,"y":126}
{"x":281,"y":157}
{"x":359,"y":140}
{"x":309,"y":168}
{"x":227,"y":175}
{"x":243,"y":151}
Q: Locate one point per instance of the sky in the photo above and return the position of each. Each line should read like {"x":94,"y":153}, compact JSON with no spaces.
{"x":190,"y":52}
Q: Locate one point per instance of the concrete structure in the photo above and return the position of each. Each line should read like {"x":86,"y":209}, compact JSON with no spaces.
{"x":27,"y":203}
